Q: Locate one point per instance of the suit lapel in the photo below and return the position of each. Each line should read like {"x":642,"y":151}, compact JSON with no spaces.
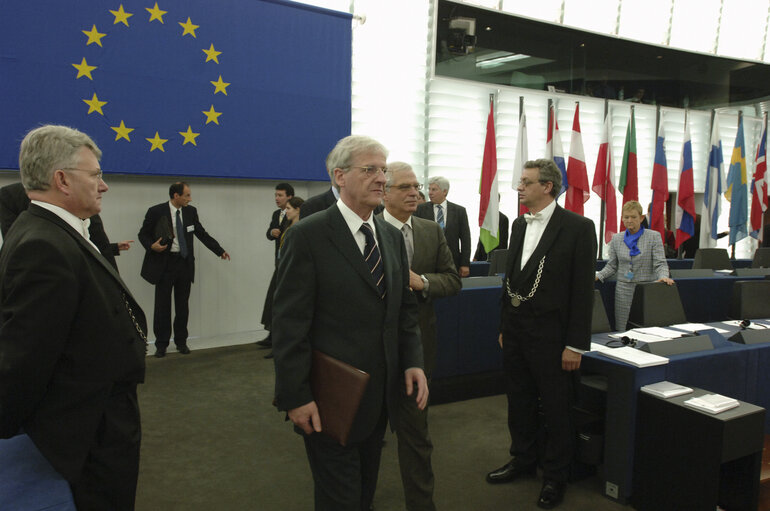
{"x":516,"y":243}
{"x":387,"y":252}
{"x":343,"y":239}
{"x":420,"y":242}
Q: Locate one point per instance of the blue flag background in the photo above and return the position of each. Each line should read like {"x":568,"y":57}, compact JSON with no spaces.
{"x":236,"y":88}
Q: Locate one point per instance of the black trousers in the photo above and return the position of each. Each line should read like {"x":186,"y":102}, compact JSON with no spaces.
{"x":540,"y":394}
{"x":177,"y":278}
{"x":345,"y":477}
{"x":110,"y":472}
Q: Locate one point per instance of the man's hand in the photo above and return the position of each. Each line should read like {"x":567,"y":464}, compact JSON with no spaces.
{"x":415,"y":282}
{"x":306,"y":417}
{"x":570,"y":360}
{"x":275,"y":233}
{"x":225,"y":255}
{"x":124,"y":245}
{"x":157,"y":247}
{"x":416,"y":376}
{"x":500,"y":340}
{"x":464,"y":271}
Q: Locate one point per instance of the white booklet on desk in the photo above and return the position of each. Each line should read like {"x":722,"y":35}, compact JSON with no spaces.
{"x":712,"y":403}
{"x":634,"y":356}
{"x":649,"y":334}
{"x":666,"y":389}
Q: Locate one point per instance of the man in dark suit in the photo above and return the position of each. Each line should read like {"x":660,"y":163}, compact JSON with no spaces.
{"x":318,"y":203}
{"x":278,"y":224}
{"x":72,"y":341}
{"x":545,"y":327}
{"x":169,"y":263}
{"x":432,"y":275}
{"x":14,"y":200}
{"x":481,"y":253}
{"x":343,"y":289}
{"x":453,"y":219}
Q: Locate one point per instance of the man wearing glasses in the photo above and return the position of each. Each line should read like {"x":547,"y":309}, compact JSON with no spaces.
{"x":72,"y":338}
{"x":545,"y":327}
{"x":432,"y":274}
{"x":342,"y":288}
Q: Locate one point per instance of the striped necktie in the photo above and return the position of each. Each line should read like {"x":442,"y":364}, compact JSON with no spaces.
{"x":440,"y":216}
{"x":373,"y":259}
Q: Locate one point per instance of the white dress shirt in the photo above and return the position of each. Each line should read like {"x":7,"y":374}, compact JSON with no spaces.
{"x":354,"y":224}
{"x":81,"y":226}
{"x":534,"y":232}
{"x":175,"y":243}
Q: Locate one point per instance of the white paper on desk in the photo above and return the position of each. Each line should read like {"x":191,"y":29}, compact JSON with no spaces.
{"x":639,"y":335}
{"x":697,"y":327}
{"x":665,"y":333}
{"x":635,"y":357}
{"x":595,"y":346}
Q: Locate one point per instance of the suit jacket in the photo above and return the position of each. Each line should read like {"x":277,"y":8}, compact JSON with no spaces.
{"x":155,"y":262}
{"x":317,"y":203}
{"x":566,"y":285}
{"x":433,"y":259}
{"x":649,"y":266}
{"x":276,"y":223}
{"x":66,"y":338}
{"x":326,"y":299}
{"x":457,"y":231}
{"x":14,"y":200}
{"x":481,"y":253}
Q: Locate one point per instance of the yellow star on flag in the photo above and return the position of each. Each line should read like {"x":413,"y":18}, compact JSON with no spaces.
{"x":94,"y":105}
{"x":84,"y":69}
{"x":156,"y":13}
{"x":220,"y":86}
{"x":122,"y":131}
{"x":188,"y":27}
{"x":212,"y":115}
{"x":212,"y":54}
{"x":121,"y":16}
{"x":157,"y":142}
{"x":189,"y":136}
{"x":94,"y":36}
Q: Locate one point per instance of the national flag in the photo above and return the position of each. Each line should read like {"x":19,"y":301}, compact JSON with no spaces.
{"x":659,"y":186}
{"x":685,"y":197}
{"x":553,"y":148}
{"x":628,"y":184}
{"x":736,"y":188}
{"x":712,"y":195}
{"x":520,"y":156}
{"x":604,"y":182}
{"x":178,"y":87}
{"x":577,"y":174}
{"x":489,"y":217}
{"x":759,"y":186}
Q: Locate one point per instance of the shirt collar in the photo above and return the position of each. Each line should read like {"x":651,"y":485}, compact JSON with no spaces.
{"x":353,"y":220}
{"x":547,"y":212}
{"x":395,"y":222}
{"x":81,"y":226}
{"x":173,"y":208}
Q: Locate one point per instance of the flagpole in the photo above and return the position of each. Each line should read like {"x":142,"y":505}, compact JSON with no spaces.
{"x":518,"y":199}
{"x":602,"y":211}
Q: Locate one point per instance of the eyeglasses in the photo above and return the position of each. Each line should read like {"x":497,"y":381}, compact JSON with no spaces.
{"x":526,"y":182}
{"x":370,"y":170}
{"x":407,"y":187}
{"x":98,"y":174}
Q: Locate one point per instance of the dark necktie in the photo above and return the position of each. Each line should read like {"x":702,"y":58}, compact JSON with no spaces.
{"x":440,"y":216}
{"x":373,"y":259}
{"x":180,"y":234}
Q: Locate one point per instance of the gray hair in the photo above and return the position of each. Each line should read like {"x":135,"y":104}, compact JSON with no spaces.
{"x":439,"y":181}
{"x":346,"y":149}
{"x":547,"y":171}
{"x":48,"y":148}
{"x":393,"y":168}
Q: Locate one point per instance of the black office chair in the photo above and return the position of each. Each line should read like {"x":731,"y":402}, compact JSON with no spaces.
{"x":497,"y":260}
{"x":600,"y":323}
{"x":761,"y":258}
{"x":656,"y":304}
{"x":714,"y":258}
{"x":750,"y":300}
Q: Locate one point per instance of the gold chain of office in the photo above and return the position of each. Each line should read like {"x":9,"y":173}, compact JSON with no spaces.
{"x":517,"y":299}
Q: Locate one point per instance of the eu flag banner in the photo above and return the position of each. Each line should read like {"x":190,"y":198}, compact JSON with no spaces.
{"x":233,"y":88}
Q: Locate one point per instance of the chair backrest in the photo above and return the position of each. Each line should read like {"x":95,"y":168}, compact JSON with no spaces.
{"x":750,"y":300}
{"x":656,"y":304}
{"x":714,"y":258}
{"x":497,"y":260}
{"x":761,"y":258}
{"x":600,"y":323}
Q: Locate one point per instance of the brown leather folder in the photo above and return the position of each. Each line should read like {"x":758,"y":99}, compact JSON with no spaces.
{"x":337,"y":389}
